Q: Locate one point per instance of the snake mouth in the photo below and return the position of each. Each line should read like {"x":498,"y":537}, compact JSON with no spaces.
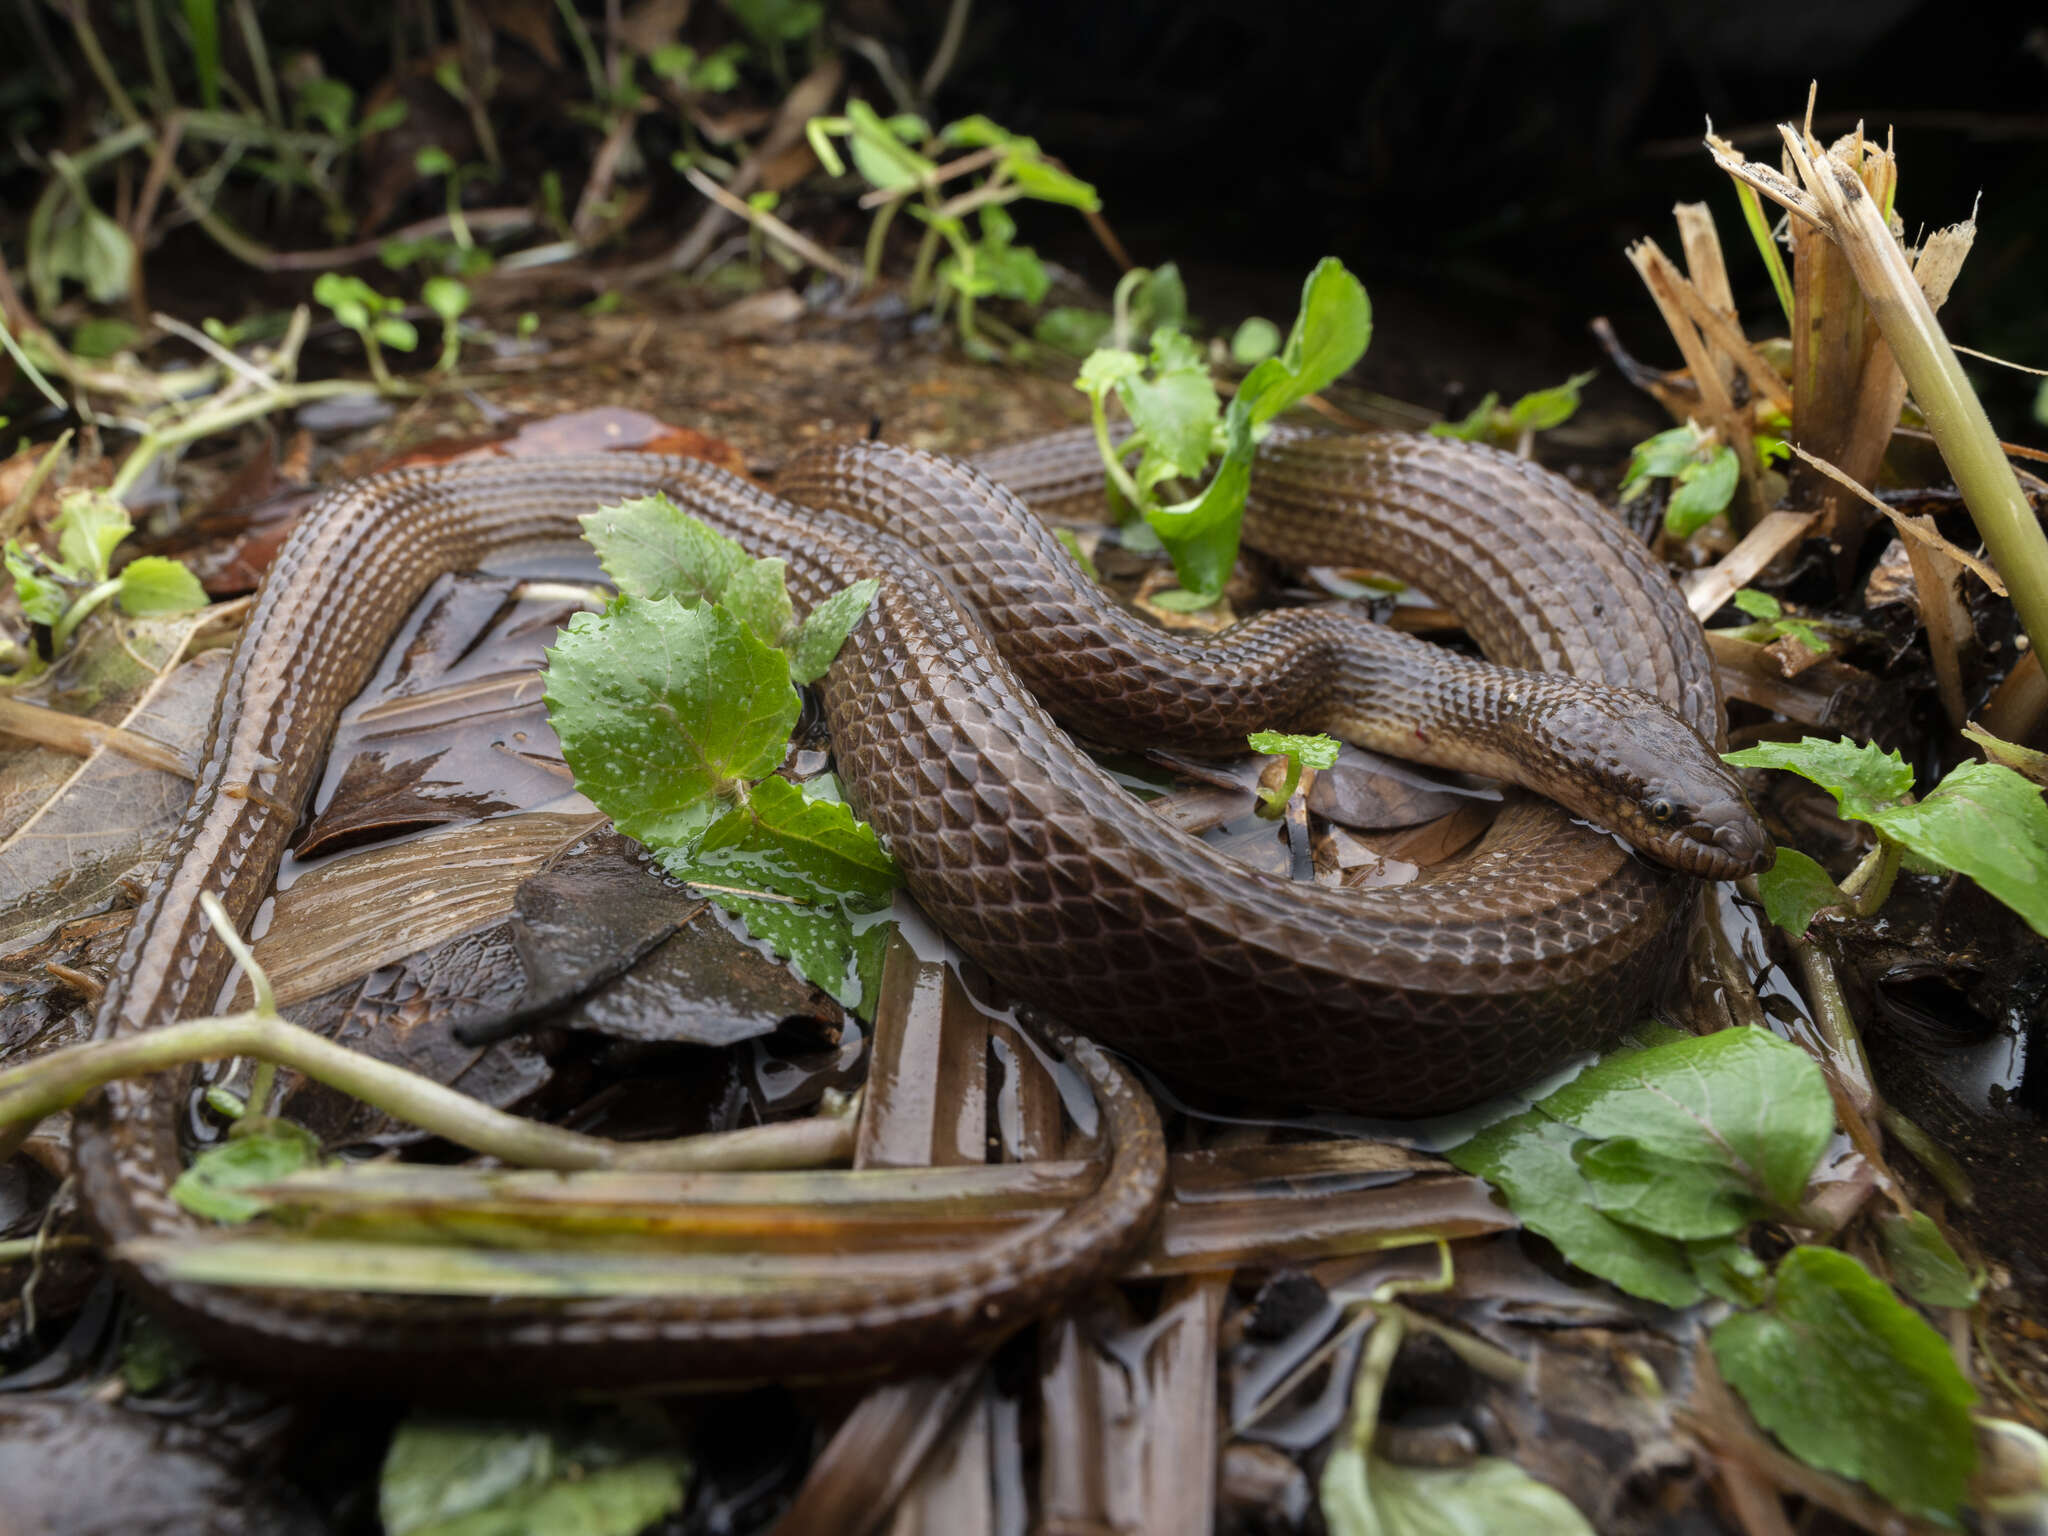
{"x":1728,"y":846}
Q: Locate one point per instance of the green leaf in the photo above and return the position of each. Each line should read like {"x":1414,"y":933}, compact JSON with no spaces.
{"x":1177,"y":411}
{"x":1161,"y":300}
{"x":327,"y":101}
{"x":1702,"y":493}
{"x":395,"y":333}
{"x":1528,"y":1158}
{"x":446,"y":297}
{"x":212,"y":1186}
{"x":2020,"y":759}
{"x":779,"y":20}
{"x":1984,"y":821}
{"x":1330,"y":334}
{"x":1309,"y":751}
{"x":662,"y":710}
{"x":153,"y":584}
{"x":1861,"y":778}
{"x":825,"y":629}
{"x":811,"y":850}
{"x":202,"y":27}
{"x":1658,"y":457}
{"x":1543,"y":409}
{"x":614,"y":1474}
{"x":89,"y":526}
{"x":1924,"y":1266}
{"x":1726,"y":1269}
{"x":42,"y":599}
{"x":1854,"y":1382}
{"x":103,"y":336}
{"x":1254,"y":341}
{"x":1474,"y":426}
{"x":1758,"y":605}
{"x":434,"y":161}
{"x":1672,"y":1197}
{"x":1013,"y":271}
{"x":1794,"y":888}
{"x":1367,"y":1495}
{"x":1071,"y":330}
{"x":1201,"y":533}
{"x":351,"y":300}
{"x":1041,"y":179}
{"x":1105,"y":368}
{"x":1740,"y":1100}
{"x":652,"y":548}
{"x":757,"y":594}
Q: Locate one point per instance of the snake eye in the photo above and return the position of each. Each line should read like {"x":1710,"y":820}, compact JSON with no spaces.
{"x":1662,"y":810}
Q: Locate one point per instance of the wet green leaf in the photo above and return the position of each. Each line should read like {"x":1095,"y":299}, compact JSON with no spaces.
{"x":609,"y":1475}
{"x":446,"y":297}
{"x":813,"y":850}
{"x":1107,"y":367}
{"x":1861,"y":778}
{"x":825,"y":628}
{"x":1201,"y":532}
{"x":1923,"y":1264}
{"x":153,"y":584}
{"x":1854,"y":1382}
{"x":1651,"y":1191}
{"x":1528,"y":1158}
{"x":1177,"y":411}
{"x":664,"y":711}
{"x":650,"y":547}
{"x":1794,"y":888}
{"x":212,"y":1186}
{"x":326,"y":101}
{"x":758,"y":596}
{"x":1987,"y":822}
{"x":1740,"y":1100}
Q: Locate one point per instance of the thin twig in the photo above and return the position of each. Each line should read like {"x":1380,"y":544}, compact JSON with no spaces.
{"x":770,"y":225}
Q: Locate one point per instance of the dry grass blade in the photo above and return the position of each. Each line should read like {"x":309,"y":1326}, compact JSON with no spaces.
{"x":1834,"y":198}
{"x":1706,"y":591}
{"x":82,"y":736}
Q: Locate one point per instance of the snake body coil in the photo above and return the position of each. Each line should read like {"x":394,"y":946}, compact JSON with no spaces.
{"x":1493,"y":967}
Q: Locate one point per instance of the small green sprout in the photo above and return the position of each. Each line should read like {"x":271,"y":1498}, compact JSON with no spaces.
{"x":379,"y":321}
{"x":1517,"y":425}
{"x":1772,"y":623}
{"x":447,"y":298}
{"x":62,"y":592}
{"x":1301,"y":752}
{"x":1703,"y":471}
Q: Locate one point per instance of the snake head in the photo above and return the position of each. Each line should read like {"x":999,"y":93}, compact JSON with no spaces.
{"x":1676,"y":801}
{"x":1628,"y":762}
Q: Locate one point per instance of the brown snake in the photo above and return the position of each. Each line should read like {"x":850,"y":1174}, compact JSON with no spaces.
{"x":1537,"y":944}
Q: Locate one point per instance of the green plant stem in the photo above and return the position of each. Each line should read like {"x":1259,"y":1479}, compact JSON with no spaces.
{"x":259,"y":60}
{"x":153,"y":54}
{"x":1870,"y":882}
{"x":20,"y":1250}
{"x":28,"y":368}
{"x":81,"y":610}
{"x":205,"y":423}
{"x":1940,"y":388}
{"x":17,"y":510}
{"x":1837,"y":1025}
{"x":878,"y":232}
{"x":1766,"y":246}
{"x":64,"y":1077}
{"x":1112,"y":459}
{"x":1931,"y":1155}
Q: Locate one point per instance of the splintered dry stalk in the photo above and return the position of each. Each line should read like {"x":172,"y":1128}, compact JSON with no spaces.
{"x":1832,"y":197}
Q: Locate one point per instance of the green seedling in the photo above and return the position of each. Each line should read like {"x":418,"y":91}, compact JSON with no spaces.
{"x":64,"y":590}
{"x":1300,"y":752}
{"x":1702,"y":469}
{"x":378,"y":320}
{"x":1516,"y":426}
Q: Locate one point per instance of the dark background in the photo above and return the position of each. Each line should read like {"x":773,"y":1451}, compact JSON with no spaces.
{"x":1483,"y":163}
{"x":1480,"y":163}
